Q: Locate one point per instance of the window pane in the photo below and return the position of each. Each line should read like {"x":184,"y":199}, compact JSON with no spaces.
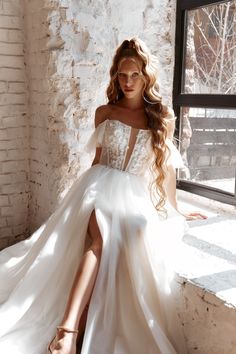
{"x":208,"y":146}
{"x":210,"y":64}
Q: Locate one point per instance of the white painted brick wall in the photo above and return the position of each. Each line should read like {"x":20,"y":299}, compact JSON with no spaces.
{"x":14,"y":152}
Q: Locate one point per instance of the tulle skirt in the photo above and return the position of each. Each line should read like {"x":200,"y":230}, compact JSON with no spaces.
{"x":132,"y":309}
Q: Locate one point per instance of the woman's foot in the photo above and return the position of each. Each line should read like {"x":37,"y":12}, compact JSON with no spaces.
{"x":64,"y":342}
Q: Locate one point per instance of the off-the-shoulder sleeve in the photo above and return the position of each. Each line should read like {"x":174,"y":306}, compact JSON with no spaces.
{"x":96,"y":138}
{"x":174,"y":158}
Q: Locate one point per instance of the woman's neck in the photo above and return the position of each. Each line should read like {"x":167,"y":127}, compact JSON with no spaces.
{"x":132,"y":104}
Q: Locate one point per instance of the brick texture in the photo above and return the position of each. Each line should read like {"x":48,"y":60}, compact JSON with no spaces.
{"x":14,"y":127}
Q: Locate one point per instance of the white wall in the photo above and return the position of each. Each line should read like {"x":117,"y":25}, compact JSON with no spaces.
{"x":14,"y":165}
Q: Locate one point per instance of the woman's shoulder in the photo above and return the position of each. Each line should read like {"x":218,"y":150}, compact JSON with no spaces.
{"x":102,"y":113}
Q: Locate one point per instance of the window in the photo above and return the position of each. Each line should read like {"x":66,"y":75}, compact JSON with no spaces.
{"x":204,"y":97}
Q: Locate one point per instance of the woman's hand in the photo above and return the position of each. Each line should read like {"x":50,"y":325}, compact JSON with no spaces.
{"x":193,"y":215}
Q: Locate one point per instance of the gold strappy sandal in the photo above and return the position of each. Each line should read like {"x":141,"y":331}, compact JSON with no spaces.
{"x":54,"y":340}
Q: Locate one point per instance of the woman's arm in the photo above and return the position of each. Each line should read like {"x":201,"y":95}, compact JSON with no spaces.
{"x":170,"y":189}
{"x":101,"y":114}
{"x":97,"y":156}
{"x":170,"y":186}
{"x":170,"y":179}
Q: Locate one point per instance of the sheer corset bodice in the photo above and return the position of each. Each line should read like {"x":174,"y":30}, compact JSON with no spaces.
{"x":125,"y":148}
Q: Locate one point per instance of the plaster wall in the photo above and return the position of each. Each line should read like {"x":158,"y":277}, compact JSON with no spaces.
{"x":209,"y":323}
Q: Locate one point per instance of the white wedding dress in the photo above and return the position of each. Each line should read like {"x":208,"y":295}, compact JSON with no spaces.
{"x":132,"y":309}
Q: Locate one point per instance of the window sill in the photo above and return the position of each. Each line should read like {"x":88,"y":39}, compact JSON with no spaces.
{"x":209,"y":247}
{"x":207,"y":275}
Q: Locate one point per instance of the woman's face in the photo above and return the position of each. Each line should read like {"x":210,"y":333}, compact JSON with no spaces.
{"x":130,"y":77}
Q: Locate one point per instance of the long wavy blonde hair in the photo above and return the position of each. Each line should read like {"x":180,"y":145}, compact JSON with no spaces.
{"x":156,"y":112}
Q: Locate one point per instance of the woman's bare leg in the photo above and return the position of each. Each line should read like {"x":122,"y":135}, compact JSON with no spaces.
{"x":81,"y":289}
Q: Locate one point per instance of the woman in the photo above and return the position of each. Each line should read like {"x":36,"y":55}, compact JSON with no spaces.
{"x":100,"y":258}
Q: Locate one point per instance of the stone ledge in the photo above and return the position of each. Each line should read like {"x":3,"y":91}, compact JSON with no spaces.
{"x":207,"y":274}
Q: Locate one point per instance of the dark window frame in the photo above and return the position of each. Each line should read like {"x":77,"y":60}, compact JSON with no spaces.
{"x":196,"y":100}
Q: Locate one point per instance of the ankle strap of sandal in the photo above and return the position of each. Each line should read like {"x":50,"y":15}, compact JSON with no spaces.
{"x":68,"y":330}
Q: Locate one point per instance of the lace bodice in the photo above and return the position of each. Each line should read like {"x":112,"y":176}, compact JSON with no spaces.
{"x":128,"y":149}
{"x":124,"y":147}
